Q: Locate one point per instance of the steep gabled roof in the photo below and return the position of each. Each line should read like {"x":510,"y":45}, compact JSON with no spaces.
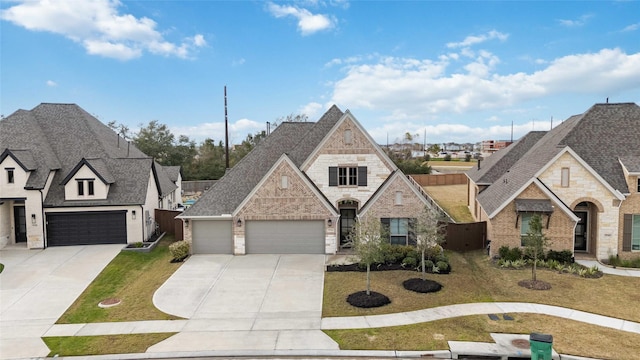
{"x":173,"y":172}
{"x":297,"y":140}
{"x":631,"y":163}
{"x":599,"y":137}
{"x":495,"y":165}
{"x":59,"y":137}
{"x":163,"y":181}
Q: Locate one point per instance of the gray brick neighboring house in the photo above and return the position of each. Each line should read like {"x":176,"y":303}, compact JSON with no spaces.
{"x":300,"y":191}
{"x":68,"y":179}
{"x":582,"y":177}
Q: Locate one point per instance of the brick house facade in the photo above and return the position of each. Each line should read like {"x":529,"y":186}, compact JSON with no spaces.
{"x":300,"y":191}
{"x":584,"y":175}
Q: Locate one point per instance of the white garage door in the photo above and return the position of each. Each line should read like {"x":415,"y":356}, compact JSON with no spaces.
{"x":211,"y":237}
{"x":285,"y":237}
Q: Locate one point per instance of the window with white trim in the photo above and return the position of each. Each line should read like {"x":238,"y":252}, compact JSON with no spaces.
{"x":348,"y":175}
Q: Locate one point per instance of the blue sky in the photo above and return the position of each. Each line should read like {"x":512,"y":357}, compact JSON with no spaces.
{"x":462,"y":71}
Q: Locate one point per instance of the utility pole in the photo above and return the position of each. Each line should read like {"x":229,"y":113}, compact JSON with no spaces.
{"x":226,"y":130}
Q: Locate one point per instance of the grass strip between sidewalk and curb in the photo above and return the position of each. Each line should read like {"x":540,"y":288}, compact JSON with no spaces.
{"x":102,"y":345}
{"x":133,"y":278}
{"x":569,"y":337}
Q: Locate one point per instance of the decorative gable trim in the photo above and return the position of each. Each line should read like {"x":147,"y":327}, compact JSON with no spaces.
{"x":285,"y":159}
{"x":83,"y":162}
{"x":383,"y":188}
{"x":546,"y":191}
{"x":347,"y":115}
{"x":584,"y":164}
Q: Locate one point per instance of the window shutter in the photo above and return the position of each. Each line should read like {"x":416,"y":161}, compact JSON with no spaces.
{"x":626,"y":232}
{"x":333,"y":176}
{"x":362,"y":176}
{"x":412,"y":232}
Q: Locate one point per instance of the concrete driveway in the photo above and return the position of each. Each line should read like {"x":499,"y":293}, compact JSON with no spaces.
{"x":37,"y":286}
{"x":257,"y":302}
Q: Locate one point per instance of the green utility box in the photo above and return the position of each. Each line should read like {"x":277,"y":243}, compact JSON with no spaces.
{"x":540,"y":346}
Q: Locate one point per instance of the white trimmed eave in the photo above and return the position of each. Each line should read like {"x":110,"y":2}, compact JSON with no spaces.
{"x":206,"y":217}
{"x":285,"y":158}
{"x":584,"y":164}
{"x":348,"y":114}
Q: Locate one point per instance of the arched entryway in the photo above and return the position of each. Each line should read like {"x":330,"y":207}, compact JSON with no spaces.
{"x":585,"y":235}
{"x":348,"y":210}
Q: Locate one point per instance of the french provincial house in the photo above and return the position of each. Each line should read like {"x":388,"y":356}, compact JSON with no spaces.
{"x":68,"y":179}
{"x":300,"y":191}
{"x":582,"y":177}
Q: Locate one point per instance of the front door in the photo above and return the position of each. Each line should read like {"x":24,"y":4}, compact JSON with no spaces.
{"x":20,"y":222}
{"x":581,"y":234}
{"x":347,"y":220}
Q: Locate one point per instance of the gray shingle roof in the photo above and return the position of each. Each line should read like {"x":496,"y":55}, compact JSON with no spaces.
{"x":173,"y":172}
{"x":297,"y":140}
{"x":59,"y":136}
{"x":165,"y":184}
{"x":632,"y":163}
{"x":599,"y":136}
{"x":534,"y":205}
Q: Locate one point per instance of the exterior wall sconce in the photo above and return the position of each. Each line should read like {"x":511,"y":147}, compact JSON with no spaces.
{"x":33,"y":219}
{"x":330,"y":222}
{"x":239,"y":223}
{"x":133,"y":214}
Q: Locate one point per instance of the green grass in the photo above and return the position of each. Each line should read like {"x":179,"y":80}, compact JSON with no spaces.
{"x":102,"y":345}
{"x":132,"y":277}
{"x":569,"y":337}
{"x":475,"y":279}
{"x":453,"y":199}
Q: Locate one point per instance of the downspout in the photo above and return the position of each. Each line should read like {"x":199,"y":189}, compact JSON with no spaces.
{"x":143,"y":222}
{"x":44,"y":224}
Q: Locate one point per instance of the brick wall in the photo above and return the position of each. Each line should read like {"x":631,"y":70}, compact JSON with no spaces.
{"x":384,"y":205}
{"x":631,"y":205}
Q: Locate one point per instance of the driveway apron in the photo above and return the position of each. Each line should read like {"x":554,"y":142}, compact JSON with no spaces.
{"x":274,"y":300}
{"x":37,"y":287}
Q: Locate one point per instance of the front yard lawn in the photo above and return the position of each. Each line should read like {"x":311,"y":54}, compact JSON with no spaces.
{"x":475,"y":279}
{"x":102,"y":345}
{"x":132,"y":277}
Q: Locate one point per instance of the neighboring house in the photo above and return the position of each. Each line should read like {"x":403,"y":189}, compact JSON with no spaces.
{"x":68,"y":179}
{"x":172,"y":191}
{"x":300,"y":191}
{"x":582,"y":177}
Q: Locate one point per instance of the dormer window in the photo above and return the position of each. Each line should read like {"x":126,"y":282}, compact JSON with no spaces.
{"x":10,"y":175}
{"x":90,"y":189}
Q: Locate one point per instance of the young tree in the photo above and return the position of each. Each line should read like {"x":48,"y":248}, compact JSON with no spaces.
{"x":367,"y":237}
{"x":535,"y":242}
{"x":430,"y":231}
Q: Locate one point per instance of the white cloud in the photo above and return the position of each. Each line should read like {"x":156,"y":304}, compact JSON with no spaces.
{"x":632,"y":27}
{"x":406,"y":88}
{"x":51,"y":83}
{"x":312,"y":110}
{"x":477,"y":39}
{"x":238,"y":62}
{"x":582,"y":20}
{"x":99,"y":27}
{"x":215,"y":130}
{"x":308,"y":23}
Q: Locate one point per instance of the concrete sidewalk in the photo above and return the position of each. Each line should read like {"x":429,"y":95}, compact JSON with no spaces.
{"x":609,"y":269}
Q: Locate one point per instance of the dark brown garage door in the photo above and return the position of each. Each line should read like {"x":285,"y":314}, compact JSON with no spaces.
{"x":85,"y":228}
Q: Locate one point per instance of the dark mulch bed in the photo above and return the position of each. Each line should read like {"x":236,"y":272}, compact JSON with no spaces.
{"x":362,"y":300}
{"x":534,"y":285}
{"x":376,"y":267}
{"x":422,"y":286}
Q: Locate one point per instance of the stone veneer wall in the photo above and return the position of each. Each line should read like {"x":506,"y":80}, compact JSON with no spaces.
{"x":583,"y":186}
{"x":631,"y":205}
{"x":384,"y":205}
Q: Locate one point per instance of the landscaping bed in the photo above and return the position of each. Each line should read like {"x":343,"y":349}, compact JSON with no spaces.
{"x":145,"y":246}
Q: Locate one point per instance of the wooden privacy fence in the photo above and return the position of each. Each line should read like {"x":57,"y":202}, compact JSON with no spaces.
{"x":168,"y":223}
{"x":440,"y":179}
{"x":466,"y":236}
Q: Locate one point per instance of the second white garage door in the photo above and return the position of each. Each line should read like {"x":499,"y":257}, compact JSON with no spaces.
{"x":285,"y":237}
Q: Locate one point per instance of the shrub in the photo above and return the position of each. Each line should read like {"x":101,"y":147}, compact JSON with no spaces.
{"x":442,"y":266}
{"x":467,"y":158}
{"x":447,"y":157}
{"x":428,"y":264}
{"x":511,"y":254}
{"x":179,"y":250}
{"x":563,"y":257}
{"x":433,"y":251}
{"x":503,"y":252}
{"x":409,"y":262}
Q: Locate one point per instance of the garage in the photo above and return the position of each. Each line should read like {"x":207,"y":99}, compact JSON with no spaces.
{"x":211,"y":237}
{"x":285,"y":237}
{"x":87,"y":228}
